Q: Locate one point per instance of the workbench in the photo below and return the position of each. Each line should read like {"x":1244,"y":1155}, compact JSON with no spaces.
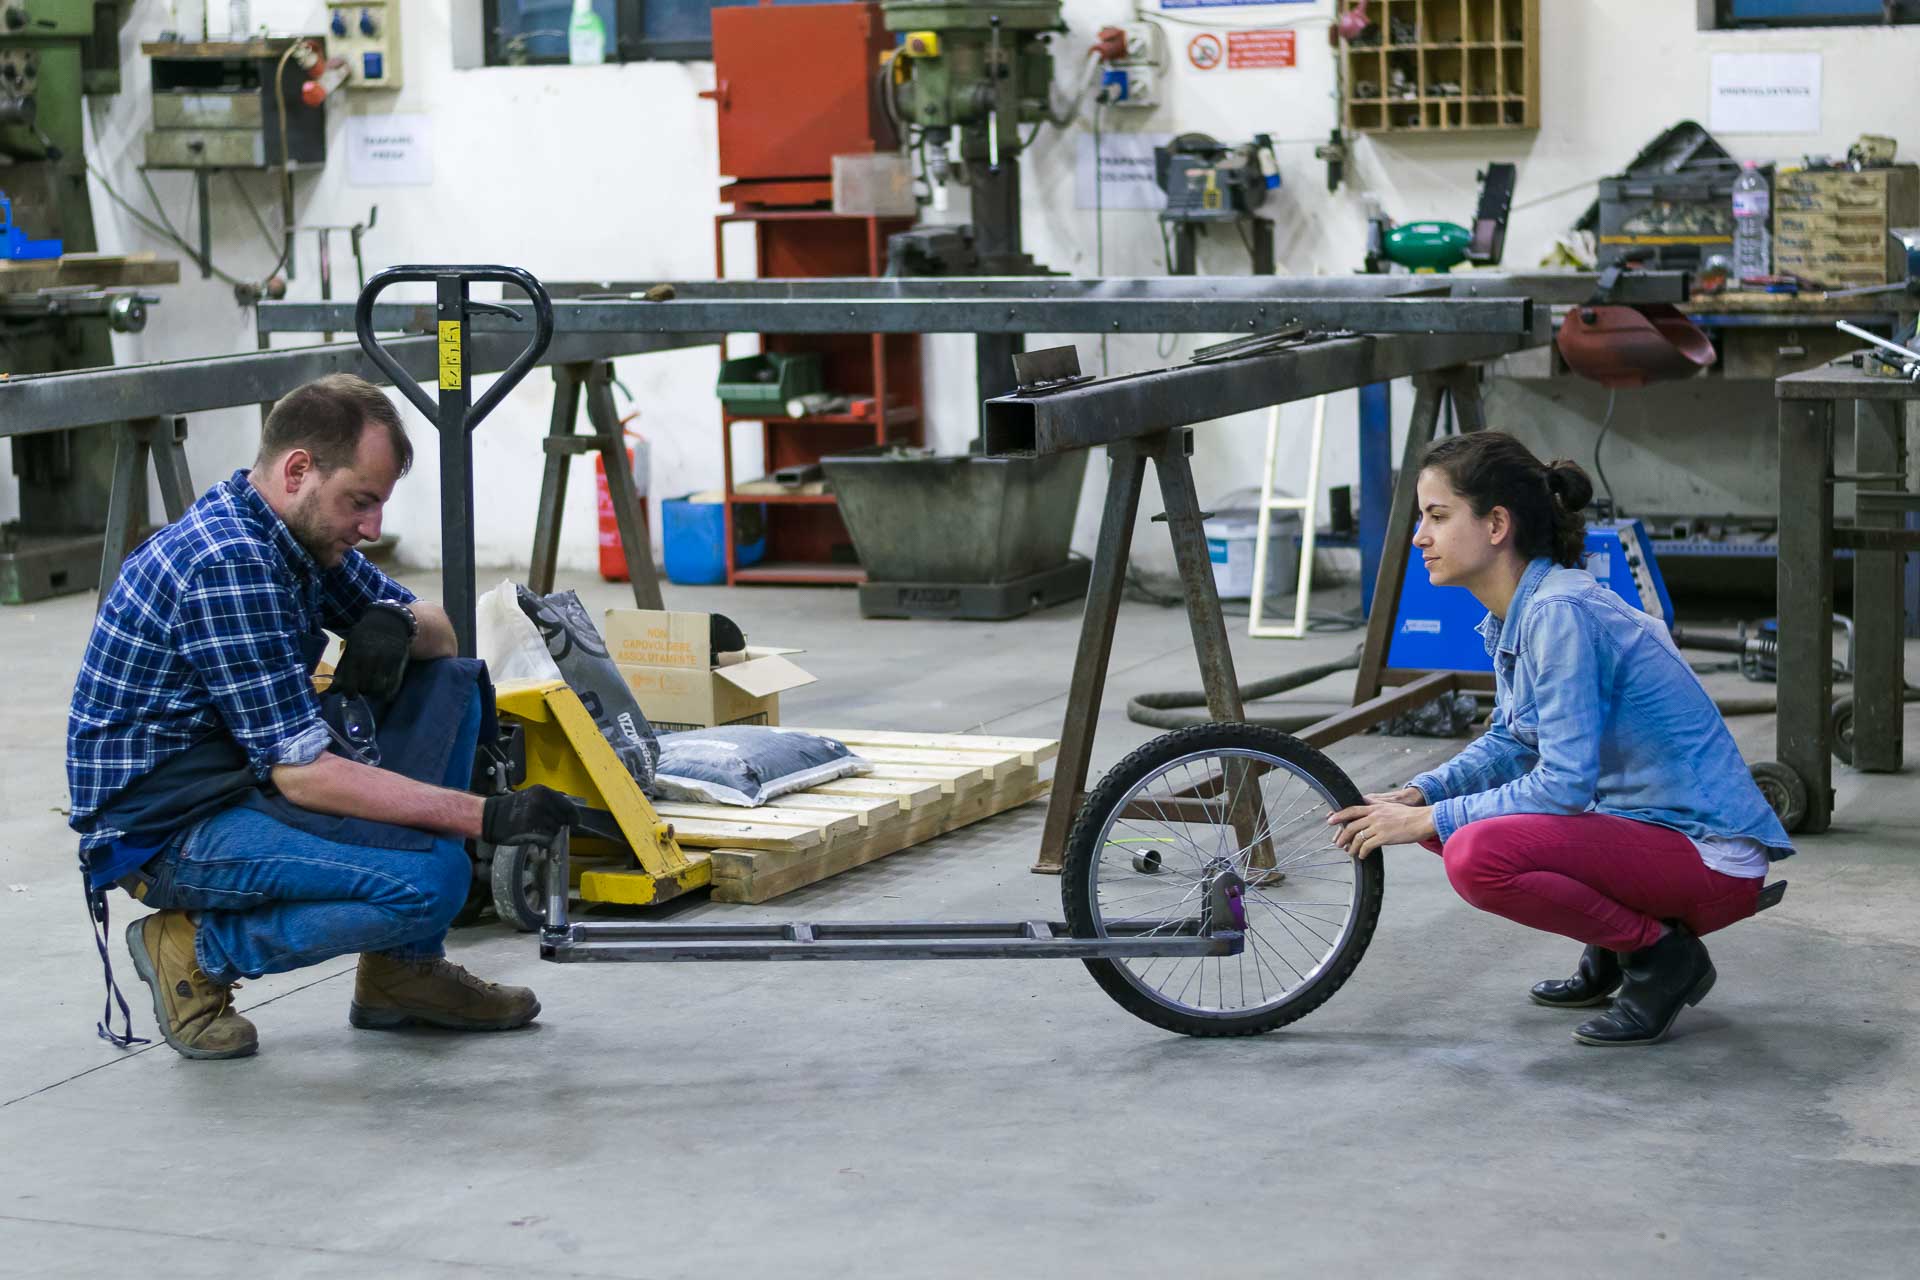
{"x":1810,"y":723}
{"x":1695,"y":459}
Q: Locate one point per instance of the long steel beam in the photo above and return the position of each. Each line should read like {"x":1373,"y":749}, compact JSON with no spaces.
{"x":973,"y":314}
{"x":1098,"y":413}
{"x":1552,"y":288}
{"x":87,"y":397}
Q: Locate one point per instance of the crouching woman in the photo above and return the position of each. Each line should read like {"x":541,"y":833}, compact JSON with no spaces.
{"x":1606,"y":801}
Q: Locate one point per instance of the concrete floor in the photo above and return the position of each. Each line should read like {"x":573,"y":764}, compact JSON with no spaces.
{"x":992,"y":1118}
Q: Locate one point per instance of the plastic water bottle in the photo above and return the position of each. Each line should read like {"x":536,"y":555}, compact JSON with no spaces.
{"x":1752,"y":210}
{"x":586,"y":36}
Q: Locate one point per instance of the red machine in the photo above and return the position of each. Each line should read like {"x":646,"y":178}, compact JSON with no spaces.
{"x":794,"y":88}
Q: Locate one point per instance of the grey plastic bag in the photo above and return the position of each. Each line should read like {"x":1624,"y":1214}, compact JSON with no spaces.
{"x":747,"y":765}
{"x":581,"y":654}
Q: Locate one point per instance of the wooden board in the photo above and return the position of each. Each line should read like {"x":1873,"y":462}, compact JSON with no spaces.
{"x":101,"y":270}
{"x":922,"y":786}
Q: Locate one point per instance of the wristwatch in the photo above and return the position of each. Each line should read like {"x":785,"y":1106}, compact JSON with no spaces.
{"x":400,"y":607}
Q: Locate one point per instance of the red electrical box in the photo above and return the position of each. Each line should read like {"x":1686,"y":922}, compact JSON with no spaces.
{"x":794,"y":87}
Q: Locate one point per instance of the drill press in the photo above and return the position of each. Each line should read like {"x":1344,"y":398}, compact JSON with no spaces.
{"x":967,"y":77}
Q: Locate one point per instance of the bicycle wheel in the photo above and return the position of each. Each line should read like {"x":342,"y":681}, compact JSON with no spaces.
{"x":1188,"y":808}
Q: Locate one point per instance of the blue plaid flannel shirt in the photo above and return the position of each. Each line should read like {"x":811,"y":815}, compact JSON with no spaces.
{"x":201,"y":635}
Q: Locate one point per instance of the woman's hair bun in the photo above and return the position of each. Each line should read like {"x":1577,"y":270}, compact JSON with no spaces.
{"x":1568,"y":482}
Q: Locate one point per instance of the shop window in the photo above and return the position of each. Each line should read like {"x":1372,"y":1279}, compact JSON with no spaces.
{"x":1738,"y":14}
{"x":534,"y":32}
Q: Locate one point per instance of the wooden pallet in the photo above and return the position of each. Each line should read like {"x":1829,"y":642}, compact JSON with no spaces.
{"x":922,"y":785}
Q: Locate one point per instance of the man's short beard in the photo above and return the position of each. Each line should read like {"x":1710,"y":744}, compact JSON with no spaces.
{"x":306,"y":529}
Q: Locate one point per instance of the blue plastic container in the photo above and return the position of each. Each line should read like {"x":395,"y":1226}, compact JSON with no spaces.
{"x":695,"y":537}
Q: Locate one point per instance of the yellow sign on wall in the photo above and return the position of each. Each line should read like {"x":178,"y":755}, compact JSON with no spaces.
{"x":451,"y":364}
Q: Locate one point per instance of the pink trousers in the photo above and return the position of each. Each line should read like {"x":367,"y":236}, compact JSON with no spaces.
{"x":1603,"y":880}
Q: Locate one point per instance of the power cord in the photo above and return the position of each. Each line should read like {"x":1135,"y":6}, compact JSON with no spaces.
{"x":1606,"y":425}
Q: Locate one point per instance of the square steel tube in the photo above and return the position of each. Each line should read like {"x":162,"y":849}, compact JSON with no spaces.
{"x":855,"y":313}
{"x":1098,"y":413}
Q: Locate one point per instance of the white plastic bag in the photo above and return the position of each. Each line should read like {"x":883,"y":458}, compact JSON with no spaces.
{"x":507,"y":640}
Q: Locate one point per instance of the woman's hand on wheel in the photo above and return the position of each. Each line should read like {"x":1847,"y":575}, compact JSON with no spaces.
{"x":1366,"y":827}
{"x":1405,"y":795}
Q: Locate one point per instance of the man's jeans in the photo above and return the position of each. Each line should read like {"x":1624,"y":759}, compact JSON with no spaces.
{"x":271,"y":898}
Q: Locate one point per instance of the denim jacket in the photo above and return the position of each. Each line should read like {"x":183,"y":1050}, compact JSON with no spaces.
{"x":1596,"y":711}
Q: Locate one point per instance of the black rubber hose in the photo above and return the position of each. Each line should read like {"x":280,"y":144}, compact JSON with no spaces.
{"x":1163,"y":710}
{"x":1746,"y":706}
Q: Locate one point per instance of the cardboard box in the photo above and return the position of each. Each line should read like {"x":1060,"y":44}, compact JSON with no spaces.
{"x":667,"y":660}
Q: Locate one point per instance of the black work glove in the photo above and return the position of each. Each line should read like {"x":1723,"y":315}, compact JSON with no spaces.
{"x":374,"y":661}
{"x":531,"y":815}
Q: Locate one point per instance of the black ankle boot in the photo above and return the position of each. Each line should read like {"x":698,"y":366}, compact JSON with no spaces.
{"x":1674,"y":972}
{"x":1597,"y":978}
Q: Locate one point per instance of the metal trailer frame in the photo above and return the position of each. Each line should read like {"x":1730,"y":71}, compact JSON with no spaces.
{"x":1436,"y":335}
{"x":1215,"y":931}
{"x":1886,"y":492}
{"x":1112,"y":411}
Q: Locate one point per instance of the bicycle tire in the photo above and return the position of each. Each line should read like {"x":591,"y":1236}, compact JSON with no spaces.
{"x":1079,"y":879}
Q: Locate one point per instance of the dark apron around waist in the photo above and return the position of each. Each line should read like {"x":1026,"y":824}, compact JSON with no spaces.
{"x":416,"y":736}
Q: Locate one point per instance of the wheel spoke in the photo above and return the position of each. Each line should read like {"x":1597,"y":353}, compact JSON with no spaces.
{"x":1164,"y":842}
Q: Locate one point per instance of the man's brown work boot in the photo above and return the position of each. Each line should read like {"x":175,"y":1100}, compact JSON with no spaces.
{"x":390,"y":993}
{"x":195,"y":1013}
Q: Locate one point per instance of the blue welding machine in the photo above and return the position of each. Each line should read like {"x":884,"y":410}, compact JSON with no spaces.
{"x":1433,"y":630}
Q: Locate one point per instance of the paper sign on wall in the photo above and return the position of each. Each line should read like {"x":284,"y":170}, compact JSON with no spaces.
{"x":1766,"y":93}
{"x":389,"y":151}
{"x":1253,"y":50}
{"x":1126,"y":171}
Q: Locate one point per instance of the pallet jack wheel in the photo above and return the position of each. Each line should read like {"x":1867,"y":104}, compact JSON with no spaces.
{"x":515,"y":879}
{"x":1840,"y":729}
{"x":1785,"y":790}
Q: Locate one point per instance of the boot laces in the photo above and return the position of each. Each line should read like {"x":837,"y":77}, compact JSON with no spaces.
{"x":201,"y":982}
{"x":445,"y":968}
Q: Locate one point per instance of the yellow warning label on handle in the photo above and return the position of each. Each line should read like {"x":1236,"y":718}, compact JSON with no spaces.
{"x":450,"y":362}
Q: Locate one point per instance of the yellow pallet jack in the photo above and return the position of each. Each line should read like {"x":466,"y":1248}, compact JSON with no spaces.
{"x":624,"y":853}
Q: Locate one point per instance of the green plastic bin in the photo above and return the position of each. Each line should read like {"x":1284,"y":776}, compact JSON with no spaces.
{"x":762,"y":384}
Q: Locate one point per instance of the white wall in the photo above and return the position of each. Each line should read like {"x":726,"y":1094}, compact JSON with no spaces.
{"x":611,"y":172}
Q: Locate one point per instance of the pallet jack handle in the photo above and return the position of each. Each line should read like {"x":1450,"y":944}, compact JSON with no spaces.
{"x":453,"y":411}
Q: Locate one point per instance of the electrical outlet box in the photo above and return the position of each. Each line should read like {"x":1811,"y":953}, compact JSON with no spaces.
{"x":1130,"y":86}
{"x":367,"y":35}
{"x":1146,"y":44}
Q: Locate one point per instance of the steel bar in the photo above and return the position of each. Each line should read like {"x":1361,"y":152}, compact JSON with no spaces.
{"x":1127,"y":463}
{"x":567,"y":381}
{"x":854,"y":314}
{"x":1858,"y":539}
{"x":1879,"y":675}
{"x":857,"y":940}
{"x":1113,"y":408}
{"x":1380,"y":707}
{"x":634,"y":543}
{"x":457,"y":587}
{"x":1804,"y":573}
{"x":1549,"y":288}
{"x":160,"y":442}
{"x":88,"y":397}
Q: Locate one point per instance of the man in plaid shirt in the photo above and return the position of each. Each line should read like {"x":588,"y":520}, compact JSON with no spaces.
{"x":197,"y":680}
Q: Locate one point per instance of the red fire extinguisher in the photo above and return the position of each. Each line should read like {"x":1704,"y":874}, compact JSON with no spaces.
{"x":613,"y":556}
